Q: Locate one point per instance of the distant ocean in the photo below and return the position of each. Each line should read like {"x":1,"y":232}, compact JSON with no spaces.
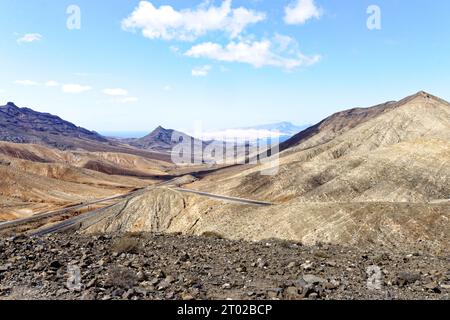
{"x":124,"y":134}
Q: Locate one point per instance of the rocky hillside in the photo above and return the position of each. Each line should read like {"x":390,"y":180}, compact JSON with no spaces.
{"x":162,"y":140}
{"x":154,"y":266}
{"x":23,"y":125}
{"x":399,"y":153}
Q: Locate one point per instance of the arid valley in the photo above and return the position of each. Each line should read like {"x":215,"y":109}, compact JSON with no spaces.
{"x":366,"y":187}
{"x":225,"y":158}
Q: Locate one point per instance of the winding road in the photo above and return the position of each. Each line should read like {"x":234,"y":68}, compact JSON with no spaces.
{"x":73,"y":222}
{"x":224,"y":198}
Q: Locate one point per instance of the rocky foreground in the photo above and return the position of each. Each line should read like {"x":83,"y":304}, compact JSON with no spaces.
{"x":155,"y":266}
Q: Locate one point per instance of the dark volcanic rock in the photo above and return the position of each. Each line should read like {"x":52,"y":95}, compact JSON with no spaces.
{"x":162,"y":139}
{"x":23,"y":125}
{"x":70,"y":266}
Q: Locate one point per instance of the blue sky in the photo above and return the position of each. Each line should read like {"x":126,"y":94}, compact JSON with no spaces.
{"x":221,"y":65}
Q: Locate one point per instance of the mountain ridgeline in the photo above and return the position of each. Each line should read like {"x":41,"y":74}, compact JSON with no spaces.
{"x":23,"y":125}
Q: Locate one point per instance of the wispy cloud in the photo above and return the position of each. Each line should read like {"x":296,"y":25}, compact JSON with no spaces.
{"x":51,"y":83}
{"x":130,"y":100}
{"x":256,"y":53}
{"x":26,"y":82}
{"x":168,"y":23}
{"x":167,"y":88}
{"x":115,"y":92}
{"x":201,"y":71}
{"x":30,"y":37}
{"x":300,"y":11}
{"x":75,"y":88}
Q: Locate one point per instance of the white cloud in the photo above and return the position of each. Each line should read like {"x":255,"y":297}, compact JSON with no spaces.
{"x":168,"y":23}
{"x":75,"y":88}
{"x":300,"y":11}
{"x":201,"y":71}
{"x":130,"y":99}
{"x":2,"y":90}
{"x":30,"y":37}
{"x":239,"y":134}
{"x":167,"y":88}
{"x":257,"y":53}
{"x":115,"y":92}
{"x":51,"y":83}
{"x":285,"y":42}
{"x":174,"y":49}
{"x":26,"y":82}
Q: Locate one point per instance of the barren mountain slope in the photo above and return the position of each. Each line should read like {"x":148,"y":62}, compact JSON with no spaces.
{"x":106,"y":162}
{"x":23,"y":194}
{"x":403,"y":154}
{"x":26,"y":126}
{"x":334,"y":126}
{"x":385,"y":181}
{"x":23,"y":125}
{"x":36,"y":178}
{"x":393,"y":225}
{"x":162,"y":140}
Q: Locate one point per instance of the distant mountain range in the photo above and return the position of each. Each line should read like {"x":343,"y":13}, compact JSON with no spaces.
{"x":284,"y":128}
{"x":24,"y":125}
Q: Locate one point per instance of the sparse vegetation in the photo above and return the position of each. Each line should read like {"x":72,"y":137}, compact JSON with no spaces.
{"x":212,"y":234}
{"x":126,"y":244}
{"x":119,"y":277}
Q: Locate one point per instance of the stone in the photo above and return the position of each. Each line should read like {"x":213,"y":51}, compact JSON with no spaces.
{"x":54,"y":265}
{"x":405,"y":278}
{"x":187,"y":296}
{"x":127,"y":295}
{"x":261,"y":263}
{"x":5,"y":267}
{"x":312,"y":279}
{"x":292,"y":293}
{"x":184,"y":257}
{"x":163,"y":285}
{"x":226,"y":286}
{"x":291,"y":265}
{"x":432,"y":286}
{"x":118,"y":293}
{"x":331,"y":263}
{"x":307,"y":266}
{"x":331,"y":285}
{"x":140,"y":276}
{"x":313,"y":296}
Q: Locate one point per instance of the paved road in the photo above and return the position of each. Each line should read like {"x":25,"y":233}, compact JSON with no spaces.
{"x":72,"y":222}
{"x":51,"y":214}
{"x":67,"y":224}
{"x":225,"y":198}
